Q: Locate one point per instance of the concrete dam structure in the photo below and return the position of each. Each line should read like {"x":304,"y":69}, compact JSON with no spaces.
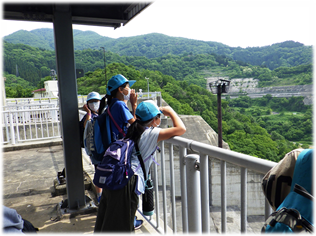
{"x":249,"y":87}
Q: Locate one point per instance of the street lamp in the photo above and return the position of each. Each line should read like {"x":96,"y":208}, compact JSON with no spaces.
{"x":218,"y":87}
{"x":53,"y":74}
{"x":104,"y":64}
{"x":147,"y":85}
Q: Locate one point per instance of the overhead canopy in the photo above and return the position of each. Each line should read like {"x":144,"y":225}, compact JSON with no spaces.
{"x":107,"y":14}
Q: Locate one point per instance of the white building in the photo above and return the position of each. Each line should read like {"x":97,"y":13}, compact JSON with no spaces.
{"x":50,"y":90}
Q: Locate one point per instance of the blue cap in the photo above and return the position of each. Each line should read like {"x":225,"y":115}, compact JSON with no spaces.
{"x":116,"y":81}
{"x":147,"y":110}
{"x":93,"y":95}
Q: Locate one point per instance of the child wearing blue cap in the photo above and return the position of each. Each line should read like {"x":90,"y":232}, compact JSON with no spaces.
{"x":118,"y":93}
{"x":92,"y":108}
{"x":118,"y":207}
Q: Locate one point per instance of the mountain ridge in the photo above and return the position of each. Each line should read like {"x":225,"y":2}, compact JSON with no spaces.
{"x":288,"y":53}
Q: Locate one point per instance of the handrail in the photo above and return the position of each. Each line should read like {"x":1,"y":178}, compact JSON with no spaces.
{"x":256,"y":164}
{"x":30,"y":125}
{"x":204,"y":151}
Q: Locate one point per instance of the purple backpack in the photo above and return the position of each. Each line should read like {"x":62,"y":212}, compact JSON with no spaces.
{"x":115,"y":169}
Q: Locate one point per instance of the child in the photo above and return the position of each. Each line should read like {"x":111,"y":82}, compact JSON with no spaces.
{"x":118,"y":94}
{"x":118,"y":207}
{"x":92,"y":108}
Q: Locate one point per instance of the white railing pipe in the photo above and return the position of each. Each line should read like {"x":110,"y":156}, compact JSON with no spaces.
{"x":205,"y":202}
{"x":193,"y":193}
{"x":12,"y":128}
{"x":243,"y":200}
{"x":184,"y":202}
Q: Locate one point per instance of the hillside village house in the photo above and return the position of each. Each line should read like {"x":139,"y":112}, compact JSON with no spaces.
{"x":50,"y":90}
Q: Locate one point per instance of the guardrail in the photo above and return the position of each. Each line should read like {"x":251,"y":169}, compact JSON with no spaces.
{"x":30,"y":125}
{"x":195,"y":191}
{"x":31,"y":106}
{"x":22,"y":101}
{"x":36,"y":124}
{"x":82,"y":99}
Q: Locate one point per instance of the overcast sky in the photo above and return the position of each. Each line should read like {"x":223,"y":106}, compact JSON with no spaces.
{"x":234,"y":23}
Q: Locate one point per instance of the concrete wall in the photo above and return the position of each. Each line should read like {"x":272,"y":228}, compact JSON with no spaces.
{"x":255,"y":197}
{"x":199,"y":130}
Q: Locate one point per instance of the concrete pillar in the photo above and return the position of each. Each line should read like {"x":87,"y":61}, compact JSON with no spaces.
{"x":67,"y":86}
{"x":2,"y":91}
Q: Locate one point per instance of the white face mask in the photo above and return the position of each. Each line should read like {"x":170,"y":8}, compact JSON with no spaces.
{"x":94,"y":106}
{"x":157,"y":125}
{"x":126,"y":97}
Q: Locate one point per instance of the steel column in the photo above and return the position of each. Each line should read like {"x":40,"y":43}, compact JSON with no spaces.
{"x":267,"y":209}
{"x":67,"y":86}
{"x":182,"y":153}
{"x":205,"y":203}
{"x":243,"y":197}
{"x":164,"y":197}
{"x":193,"y":193}
{"x":223,"y":196}
{"x":173,"y":194}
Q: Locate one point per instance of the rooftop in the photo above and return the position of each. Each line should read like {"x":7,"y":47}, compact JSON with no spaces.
{"x":30,"y":174}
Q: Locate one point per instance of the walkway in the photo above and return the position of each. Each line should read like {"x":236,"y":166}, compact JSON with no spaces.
{"x":28,"y":180}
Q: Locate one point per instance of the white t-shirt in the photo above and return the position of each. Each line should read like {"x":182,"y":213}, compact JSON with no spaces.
{"x":147,"y":147}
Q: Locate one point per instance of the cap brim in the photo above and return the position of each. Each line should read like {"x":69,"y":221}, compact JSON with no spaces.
{"x":131,"y":82}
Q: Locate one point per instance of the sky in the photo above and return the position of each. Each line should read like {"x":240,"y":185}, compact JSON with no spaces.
{"x":252,"y":23}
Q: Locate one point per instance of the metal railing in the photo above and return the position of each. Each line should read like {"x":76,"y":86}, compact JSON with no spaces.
{"x":30,"y":124}
{"x":195,"y":191}
{"x":30,"y":106}
{"x":194,"y":171}
{"x":22,"y":101}
{"x":82,"y":99}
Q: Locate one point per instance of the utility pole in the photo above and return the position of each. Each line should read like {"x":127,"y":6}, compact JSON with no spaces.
{"x":104,"y":64}
{"x":147,"y":85}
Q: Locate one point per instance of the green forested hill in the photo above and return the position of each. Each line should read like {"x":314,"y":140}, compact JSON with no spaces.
{"x":244,"y":133}
{"x":33,"y":64}
{"x":182,"y":85}
{"x":154,"y":45}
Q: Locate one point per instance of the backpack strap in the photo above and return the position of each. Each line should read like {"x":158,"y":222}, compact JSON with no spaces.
{"x":140,"y":160}
{"x":117,"y":126}
{"x":303,"y":172}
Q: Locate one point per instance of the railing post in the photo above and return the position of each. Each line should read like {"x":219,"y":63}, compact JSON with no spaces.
{"x":182,"y":153}
{"x":193,"y":193}
{"x":243,"y":207}
{"x":164,"y":196}
{"x":173,"y":192}
{"x":205,"y":194}
{"x":12,"y":129}
{"x":267,"y":209}
{"x":223,"y":196}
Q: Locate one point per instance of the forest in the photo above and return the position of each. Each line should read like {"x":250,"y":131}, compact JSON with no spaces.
{"x":265,"y":127}
{"x":284,"y":54}
{"x":243,"y":132}
{"x":33,"y":64}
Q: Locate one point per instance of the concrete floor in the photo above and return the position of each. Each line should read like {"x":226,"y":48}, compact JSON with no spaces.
{"x":27,"y":186}
{"x":28,"y":179}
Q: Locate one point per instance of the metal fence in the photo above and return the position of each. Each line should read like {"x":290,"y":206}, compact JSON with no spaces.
{"x":21,"y":124}
{"x":24,"y":101}
{"x":82,"y":99}
{"x":43,"y":123}
{"x":194,"y":181}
